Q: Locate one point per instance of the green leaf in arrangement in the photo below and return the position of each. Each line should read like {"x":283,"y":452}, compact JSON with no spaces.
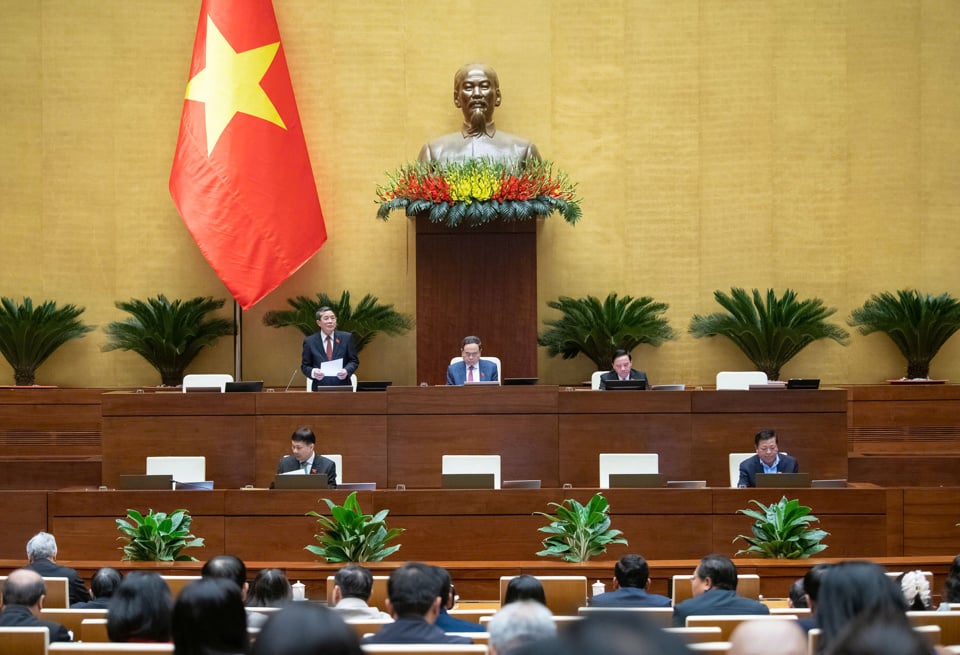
{"x":349,"y":535}
{"x":579,"y":532}
{"x":156,"y":536}
{"x":782,"y":530}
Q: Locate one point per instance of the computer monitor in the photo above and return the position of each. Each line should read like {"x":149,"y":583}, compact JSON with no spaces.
{"x":243,"y":385}
{"x":625,"y":385}
{"x":281,"y":481}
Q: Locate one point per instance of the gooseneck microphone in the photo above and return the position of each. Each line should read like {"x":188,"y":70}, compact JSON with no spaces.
{"x":291,"y":380}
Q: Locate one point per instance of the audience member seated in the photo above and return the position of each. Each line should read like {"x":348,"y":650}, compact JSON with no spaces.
{"x":757,"y":637}
{"x":768,"y":459}
{"x":524,"y":587}
{"x":209,"y":617}
{"x":916,"y":590}
{"x":103,"y":584}
{"x":23,"y":593}
{"x":869,"y":635}
{"x":413,"y":601}
{"x":631,"y":578}
{"x":42,"y":558}
{"x":811,"y":588}
{"x":609,"y":633}
{"x":352,"y":586}
{"x":951,"y":588}
{"x":232,"y":568}
{"x":714,"y":585}
{"x":269,"y":589}
{"x":796,"y":596}
{"x":518,"y":624}
{"x":141,"y":609}
{"x":448,"y":599}
{"x":854,"y":589}
{"x":305,"y":629}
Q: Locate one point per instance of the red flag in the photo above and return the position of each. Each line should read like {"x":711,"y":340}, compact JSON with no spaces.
{"x":241,"y":175}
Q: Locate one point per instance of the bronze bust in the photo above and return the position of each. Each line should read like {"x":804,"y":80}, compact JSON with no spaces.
{"x":476,"y":91}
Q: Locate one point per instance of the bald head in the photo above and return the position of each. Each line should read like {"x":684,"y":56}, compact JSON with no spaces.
{"x":23,"y":587}
{"x":755,"y":637}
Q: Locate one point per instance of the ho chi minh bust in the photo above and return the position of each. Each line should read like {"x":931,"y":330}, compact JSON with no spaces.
{"x":476,"y":91}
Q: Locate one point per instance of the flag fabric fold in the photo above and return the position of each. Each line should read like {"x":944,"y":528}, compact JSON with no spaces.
{"x":241,"y":176}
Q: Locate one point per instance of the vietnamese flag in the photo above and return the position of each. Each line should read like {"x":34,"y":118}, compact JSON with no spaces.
{"x":241,"y":175}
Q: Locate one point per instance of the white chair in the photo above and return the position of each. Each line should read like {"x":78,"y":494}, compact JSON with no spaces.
{"x":626,"y":463}
{"x":473,"y":464}
{"x":735,"y":459}
{"x":595,"y":379}
{"x":206,"y":381}
{"x":740,"y":380}
{"x":353,"y":381}
{"x":183,"y":469}
{"x":338,"y":460}
{"x":495,"y":360}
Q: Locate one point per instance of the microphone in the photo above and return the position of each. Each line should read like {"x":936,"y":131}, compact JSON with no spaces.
{"x":291,"y":380}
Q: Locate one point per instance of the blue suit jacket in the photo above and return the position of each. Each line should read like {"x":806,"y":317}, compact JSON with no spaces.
{"x":629,"y":597}
{"x":413,"y":631}
{"x":314,"y":354}
{"x":457,"y":373}
{"x":752,"y":465}
{"x":716,"y":601}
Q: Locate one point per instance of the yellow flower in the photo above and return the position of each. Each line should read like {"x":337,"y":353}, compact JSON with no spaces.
{"x":473,"y":183}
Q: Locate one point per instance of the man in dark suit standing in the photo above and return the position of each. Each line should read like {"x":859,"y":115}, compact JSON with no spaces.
{"x":472,"y":368}
{"x":622,"y":370}
{"x":768,"y":459}
{"x":714,"y":585}
{"x":303,"y":444}
{"x":631,"y":579}
{"x":23,"y":594}
{"x":327,"y":345}
{"x":42,"y":558}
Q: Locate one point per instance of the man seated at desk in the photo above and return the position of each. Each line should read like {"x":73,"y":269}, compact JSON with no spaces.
{"x":472,"y":368}
{"x":303,"y":444}
{"x":768,"y":459}
{"x":622,"y":370}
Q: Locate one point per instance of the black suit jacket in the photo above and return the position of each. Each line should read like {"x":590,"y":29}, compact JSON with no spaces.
{"x":321,"y":466}
{"x":629,"y":597}
{"x":48,"y":569}
{"x":611,"y":376}
{"x":314,"y":354}
{"x":716,"y":601}
{"x":20,"y":616}
{"x":413,"y":631}
{"x":752,"y":465}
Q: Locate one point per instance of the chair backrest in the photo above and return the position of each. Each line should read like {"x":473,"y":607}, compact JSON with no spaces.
{"x":24,"y":641}
{"x":353,"y":382}
{"x":378,"y":594}
{"x":206,"y":381}
{"x":739,"y":379}
{"x":728,"y":622}
{"x":711,"y":647}
{"x":697,"y":635}
{"x":108,"y":648}
{"x":949,"y":623}
{"x":595,"y":379}
{"x":71,"y":619}
{"x":626,"y":463}
{"x":662,"y":616}
{"x":495,"y":360}
{"x":338,"y":460}
{"x":748,"y":586}
{"x":58,"y":592}
{"x":734,"y":460}
{"x":178,"y":582}
{"x":566,"y":594}
{"x":367,"y":626}
{"x":424,"y":649}
{"x":183,"y":469}
{"x":472,"y":615}
{"x":472,"y":464}
{"x":93,"y":630}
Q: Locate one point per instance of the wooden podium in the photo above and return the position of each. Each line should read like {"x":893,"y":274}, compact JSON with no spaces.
{"x":476,"y":281}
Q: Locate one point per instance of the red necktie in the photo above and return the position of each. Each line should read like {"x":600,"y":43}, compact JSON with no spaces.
{"x":329,"y":349}
{"x":470,"y":374}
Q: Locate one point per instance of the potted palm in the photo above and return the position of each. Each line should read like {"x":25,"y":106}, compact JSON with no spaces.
{"x":771,"y":330}
{"x":168,"y":334}
{"x":365,"y":321}
{"x":578,"y":532}
{"x":917,"y":323}
{"x":782,"y":530}
{"x":598,"y":328}
{"x":29,"y":335}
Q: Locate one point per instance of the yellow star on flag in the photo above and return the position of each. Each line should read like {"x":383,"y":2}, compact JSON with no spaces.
{"x":231,"y":83}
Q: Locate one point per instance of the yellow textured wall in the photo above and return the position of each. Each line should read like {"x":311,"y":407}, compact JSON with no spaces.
{"x":757,"y":143}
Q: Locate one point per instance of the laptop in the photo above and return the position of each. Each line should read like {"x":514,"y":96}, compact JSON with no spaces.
{"x":281,"y":481}
{"x":481,"y":383}
{"x":241,"y":386}
{"x":373,"y":385}
{"x":836,"y":483}
{"x":357,"y":486}
{"x":509,"y":382}
{"x":668,"y":387}
{"x":776,"y":480}
{"x":467,"y":480}
{"x":803,"y":383}
{"x":164,"y":481}
{"x":335,"y":388}
{"x":625,"y":385}
{"x":687,"y":484}
{"x":203,"y":485}
{"x":520,"y":484}
{"x":635,"y":480}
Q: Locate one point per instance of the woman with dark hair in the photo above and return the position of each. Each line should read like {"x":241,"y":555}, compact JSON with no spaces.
{"x":524,"y":587}
{"x":867,"y":635}
{"x":951,"y":589}
{"x":304,"y":629}
{"x":140,"y":609}
{"x":269,"y":589}
{"x":853,"y":589}
{"x":209,"y":619}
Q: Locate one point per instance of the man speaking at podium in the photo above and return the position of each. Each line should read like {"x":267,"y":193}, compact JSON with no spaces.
{"x":328,"y":345}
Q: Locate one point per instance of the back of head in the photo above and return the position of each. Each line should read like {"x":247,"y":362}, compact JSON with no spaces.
{"x":141,"y":609}
{"x":951,"y":589}
{"x":105,"y":582}
{"x":797,"y":594}
{"x":868,"y":635}
{"x":41,"y":546}
{"x":226,"y":567}
{"x":412,"y":589}
{"x":269,"y":589}
{"x":608,"y":633}
{"x":209,"y":617}
{"x":756,"y":637}
{"x":23,"y":587}
{"x":355,"y":581}
{"x":632,"y":571}
{"x":524,"y":587}
{"x":518,"y":624}
{"x":852,"y":589}
{"x":304,"y":629}
{"x":812,"y":580}
{"x":721,"y":571}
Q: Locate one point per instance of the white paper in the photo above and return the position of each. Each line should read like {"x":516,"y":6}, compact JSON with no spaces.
{"x":295,"y":472}
{"x":332,"y":367}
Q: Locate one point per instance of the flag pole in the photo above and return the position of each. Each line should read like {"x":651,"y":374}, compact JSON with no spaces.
{"x":237,"y":342}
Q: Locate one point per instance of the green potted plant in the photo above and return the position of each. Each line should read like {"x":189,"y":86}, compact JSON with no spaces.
{"x":771,"y":330}
{"x":782,"y":530}
{"x":349,"y":535}
{"x":578,"y":532}
{"x":598,"y":328}
{"x":156,"y":536}
{"x":365,"y":321}
{"x":29,"y":335}
{"x":168,"y":334}
{"x":917,"y":323}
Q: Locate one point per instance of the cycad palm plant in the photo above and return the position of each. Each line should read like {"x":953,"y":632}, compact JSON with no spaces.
{"x":366,"y":321}
{"x":29,"y":335}
{"x":919,"y":324}
{"x":168,"y":334}
{"x":769,"y":331}
{"x":598,"y":329}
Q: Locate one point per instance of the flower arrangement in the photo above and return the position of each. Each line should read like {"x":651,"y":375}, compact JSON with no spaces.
{"x":478,"y":191}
